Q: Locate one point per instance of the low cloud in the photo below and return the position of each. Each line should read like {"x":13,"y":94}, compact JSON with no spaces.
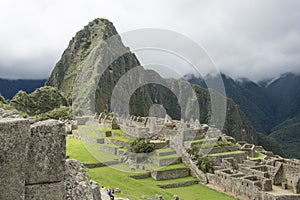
{"x":254,"y":39}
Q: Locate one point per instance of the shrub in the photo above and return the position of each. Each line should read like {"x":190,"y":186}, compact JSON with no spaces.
{"x":42,"y":100}
{"x":62,"y":113}
{"x":205,"y":164}
{"x":141,"y":145}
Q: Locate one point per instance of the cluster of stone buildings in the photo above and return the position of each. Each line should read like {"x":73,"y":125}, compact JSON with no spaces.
{"x":269,"y":177}
{"x":244,"y":170}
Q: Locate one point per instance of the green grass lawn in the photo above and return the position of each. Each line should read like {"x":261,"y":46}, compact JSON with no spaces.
{"x":259,"y":155}
{"x":134,"y":189}
{"x":87,"y":152}
{"x":117,"y":176}
{"x":76,"y":150}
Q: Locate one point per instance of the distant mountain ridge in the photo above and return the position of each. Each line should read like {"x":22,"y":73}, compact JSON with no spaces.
{"x":8,"y":88}
{"x":267,"y":104}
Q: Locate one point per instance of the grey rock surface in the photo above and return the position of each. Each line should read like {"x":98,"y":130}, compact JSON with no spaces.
{"x":14,"y":134}
{"x":53,"y":191}
{"x":78,"y":184}
{"x":8,"y":114}
{"x":46,"y":153}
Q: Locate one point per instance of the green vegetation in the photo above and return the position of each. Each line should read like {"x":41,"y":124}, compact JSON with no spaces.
{"x":62,"y":113}
{"x":118,"y":176}
{"x":6,"y":106}
{"x":42,"y":100}
{"x":222,"y":144}
{"x":205,"y":164}
{"x":87,"y":152}
{"x":134,"y":189}
{"x":258,"y":155}
{"x":270,"y":143}
{"x":141,"y":145}
{"x":194,"y":150}
{"x":288,"y":135}
{"x":76,"y":150}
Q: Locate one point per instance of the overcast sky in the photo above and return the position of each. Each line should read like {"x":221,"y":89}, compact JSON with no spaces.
{"x":256,"y":39}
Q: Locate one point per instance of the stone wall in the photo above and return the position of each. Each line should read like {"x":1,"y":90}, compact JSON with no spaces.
{"x":266,"y":196}
{"x":291,"y":174}
{"x":241,"y":187}
{"x":14,"y":135}
{"x":32,"y":159}
{"x":170,"y":174}
{"x":239,"y":157}
{"x":165,"y":162}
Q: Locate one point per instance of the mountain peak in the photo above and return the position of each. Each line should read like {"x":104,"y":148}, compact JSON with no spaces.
{"x":78,"y":49}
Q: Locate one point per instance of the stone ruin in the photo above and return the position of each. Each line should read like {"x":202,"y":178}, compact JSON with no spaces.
{"x":33,"y":161}
{"x":241,"y":174}
{"x":268,"y":178}
{"x":167,"y":128}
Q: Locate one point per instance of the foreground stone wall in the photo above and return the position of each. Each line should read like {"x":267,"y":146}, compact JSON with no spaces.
{"x":46,"y":161}
{"x":32,"y":159}
{"x":14,"y":134}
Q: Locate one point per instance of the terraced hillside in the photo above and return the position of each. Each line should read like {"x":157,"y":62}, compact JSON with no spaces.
{"x":162,"y":173}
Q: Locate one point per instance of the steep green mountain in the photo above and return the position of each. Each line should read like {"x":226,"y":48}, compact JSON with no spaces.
{"x":87,"y":56}
{"x":284,"y":96}
{"x":85,"y":50}
{"x":42,"y":100}
{"x":288,"y":133}
{"x":267,"y":104}
{"x":65,"y":71}
{"x":8,"y":88}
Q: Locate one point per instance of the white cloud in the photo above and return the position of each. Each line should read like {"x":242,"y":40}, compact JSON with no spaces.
{"x":254,"y":39}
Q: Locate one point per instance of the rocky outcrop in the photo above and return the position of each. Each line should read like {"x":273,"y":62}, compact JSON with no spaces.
{"x":8,"y":114}
{"x":78,"y":184}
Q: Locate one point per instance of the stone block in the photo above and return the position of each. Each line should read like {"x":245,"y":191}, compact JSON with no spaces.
{"x":14,"y":134}
{"x":46,"y":153}
{"x":52,"y":191}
